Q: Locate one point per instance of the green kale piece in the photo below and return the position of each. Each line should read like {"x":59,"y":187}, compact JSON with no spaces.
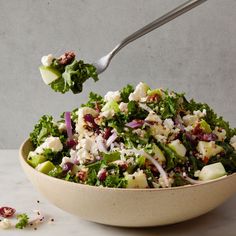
{"x":125,"y":92}
{"x":114,"y":181}
{"x":94,"y":100}
{"x":170,"y":105}
{"x":43,"y":129}
{"x":73,"y":77}
{"x":57,"y":172}
{"x":179,"y":180}
{"x":227,"y":157}
{"x":23,"y":220}
{"x":110,"y":157}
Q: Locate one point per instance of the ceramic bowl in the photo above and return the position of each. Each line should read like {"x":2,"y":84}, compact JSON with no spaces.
{"x":130,"y":207}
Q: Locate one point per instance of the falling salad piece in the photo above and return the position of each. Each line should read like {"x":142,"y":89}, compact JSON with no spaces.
{"x":66,"y":72}
{"x":10,"y":219}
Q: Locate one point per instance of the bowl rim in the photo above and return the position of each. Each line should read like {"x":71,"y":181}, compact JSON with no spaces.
{"x":210,"y":182}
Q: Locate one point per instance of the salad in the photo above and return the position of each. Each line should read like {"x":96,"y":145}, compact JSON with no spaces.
{"x":66,"y":73}
{"x":135,"y":138}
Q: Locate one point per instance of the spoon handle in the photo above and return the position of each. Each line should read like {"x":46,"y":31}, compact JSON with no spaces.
{"x":157,"y":23}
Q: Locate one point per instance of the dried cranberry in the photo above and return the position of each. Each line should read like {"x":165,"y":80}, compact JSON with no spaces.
{"x":102,"y":175}
{"x":153,"y":98}
{"x":66,"y":58}
{"x":123,"y":167}
{"x":208,"y":137}
{"x":67,"y":166}
{"x":107,"y":133}
{"x":197,"y":130}
{"x":82,"y":175}
{"x":89,"y":119}
{"x":7,"y":212}
{"x":71,"y":143}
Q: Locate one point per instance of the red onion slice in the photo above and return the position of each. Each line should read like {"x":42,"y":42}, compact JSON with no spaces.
{"x":101,"y":145}
{"x":135,"y":124}
{"x":111,"y":139}
{"x":68,"y":124}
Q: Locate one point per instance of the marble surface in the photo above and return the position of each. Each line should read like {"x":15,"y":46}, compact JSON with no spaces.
{"x":17,"y":191}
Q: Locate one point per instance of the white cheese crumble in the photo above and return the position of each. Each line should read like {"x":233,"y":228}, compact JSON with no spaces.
{"x":47,"y":60}
{"x":5,"y":224}
{"x":62,"y":127}
{"x":123,"y":107}
{"x":107,"y":114}
{"x":233,"y":142}
{"x":199,"y":113}
{"x":53,"y":143}
{"x":112,"y":96}
{"x":190,"y":120}
{"x":153,"y":117}
{"x":139,"y":92}
{"x":168,"y":123}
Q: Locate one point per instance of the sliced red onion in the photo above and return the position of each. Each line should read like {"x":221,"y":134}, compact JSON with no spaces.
{"x":162,"y":172}
{"x":135,"y":124}
{"x":111,"y":139}
{"x":68,"y":124}
{"x":101,"y":144}
{"x":192,"y":181}
{"x":141,"y":152}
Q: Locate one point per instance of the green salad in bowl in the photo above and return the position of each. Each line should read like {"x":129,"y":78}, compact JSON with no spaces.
{"x":136,"y":137}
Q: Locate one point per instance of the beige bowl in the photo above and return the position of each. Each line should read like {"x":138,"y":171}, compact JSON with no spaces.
{"x":130,"y":207}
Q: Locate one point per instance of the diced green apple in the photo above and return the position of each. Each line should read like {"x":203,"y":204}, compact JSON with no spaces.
{"x":136,"y":180}
{"x":208,"y":149}
{"x":158,"y":154}
{"x":178,"y":147}
{"x":34,"y":160}
{"x":45,"y":167}
{"x":212,"y":171}
{"x":111,"y":105}
{"x":49,"y":74}
{"x":205,"y":126}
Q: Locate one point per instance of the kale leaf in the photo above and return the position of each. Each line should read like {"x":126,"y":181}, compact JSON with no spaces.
{"x":125,"y":92}
{"x":23,"y":220}
{"x":43,"y":129}
{"x":94,"y":100}
{"x":74,"y":76}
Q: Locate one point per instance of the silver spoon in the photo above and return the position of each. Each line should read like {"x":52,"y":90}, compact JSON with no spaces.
{"x":104,"y":62}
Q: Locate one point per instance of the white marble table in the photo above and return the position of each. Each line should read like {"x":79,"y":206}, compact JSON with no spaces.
{"x":17,"y":191}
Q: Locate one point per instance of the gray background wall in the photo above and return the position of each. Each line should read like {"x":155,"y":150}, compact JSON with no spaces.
{"x":196,"y":54}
